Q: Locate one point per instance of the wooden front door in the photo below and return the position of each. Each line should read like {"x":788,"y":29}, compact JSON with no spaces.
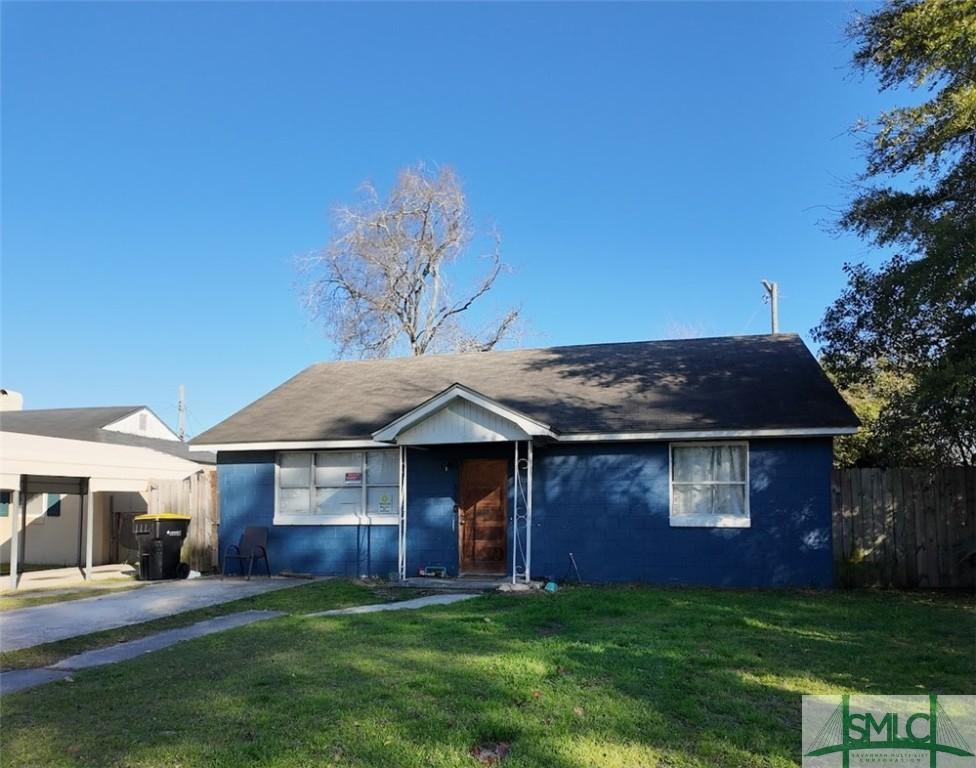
{"x":483,"y":515}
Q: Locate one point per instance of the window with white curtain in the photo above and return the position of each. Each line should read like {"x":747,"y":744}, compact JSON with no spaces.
{"x":710,"y":484}
{"x":337,"y":487}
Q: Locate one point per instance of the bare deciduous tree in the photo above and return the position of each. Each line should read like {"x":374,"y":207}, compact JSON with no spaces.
{"x":679,"y":329}
{"x":382,"y":282}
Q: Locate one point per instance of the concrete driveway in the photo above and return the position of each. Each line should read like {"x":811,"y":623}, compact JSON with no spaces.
{"x":27,"y":627}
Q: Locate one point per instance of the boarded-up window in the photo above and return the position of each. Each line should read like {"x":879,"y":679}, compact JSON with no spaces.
{"x":336,"y":487}
{"x":382,"y":486}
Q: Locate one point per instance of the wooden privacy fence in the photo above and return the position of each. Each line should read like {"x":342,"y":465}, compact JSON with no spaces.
{"x":195,"y":496}
{"x":905,"y":528}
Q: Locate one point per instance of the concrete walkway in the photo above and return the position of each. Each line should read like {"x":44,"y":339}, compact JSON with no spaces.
{"x":27,"y":627}
{"x":403,"y":605}
{"x":20,"y":679}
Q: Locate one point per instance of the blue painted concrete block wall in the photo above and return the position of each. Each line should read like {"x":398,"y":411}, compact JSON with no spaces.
{"x":608,"y":505}
{"x":246,"y":487}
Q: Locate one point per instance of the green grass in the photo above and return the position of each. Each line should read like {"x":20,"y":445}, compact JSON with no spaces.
{"x":16,"y":600}
{"x":585,"y":677}
{"x":26,"y":567}
{"x":306,"y":598}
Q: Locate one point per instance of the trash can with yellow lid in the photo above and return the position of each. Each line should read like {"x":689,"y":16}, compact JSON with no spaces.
{"x":160,"y":539}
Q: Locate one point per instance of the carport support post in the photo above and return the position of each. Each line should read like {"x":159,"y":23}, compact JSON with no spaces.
{"x":89,"y":528}
{"x":15,"y":502}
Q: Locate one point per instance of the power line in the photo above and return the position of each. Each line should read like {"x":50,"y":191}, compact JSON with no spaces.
{"x":752,"y":317}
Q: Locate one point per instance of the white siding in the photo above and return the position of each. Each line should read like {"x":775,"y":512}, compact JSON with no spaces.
{"x":49,"y":540}
{"x":11,"y":401}
{"x":55,"y":541}
{"x":144,"y":423}
{"x":461,"y":421}
{"x":110,"y":467}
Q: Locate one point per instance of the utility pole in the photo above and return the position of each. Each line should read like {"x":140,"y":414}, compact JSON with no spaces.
{"x":772,"y":297}
{"x":181,"y":409}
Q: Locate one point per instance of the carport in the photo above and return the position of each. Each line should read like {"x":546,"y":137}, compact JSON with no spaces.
{"x":93,"y":472}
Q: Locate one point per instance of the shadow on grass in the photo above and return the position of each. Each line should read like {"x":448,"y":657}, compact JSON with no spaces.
{"x":586,"y":677}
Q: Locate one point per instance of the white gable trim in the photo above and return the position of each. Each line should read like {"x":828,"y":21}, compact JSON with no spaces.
{"x":461,"y":421}
{"x":144,"y":423}
{"x":530,"y":427}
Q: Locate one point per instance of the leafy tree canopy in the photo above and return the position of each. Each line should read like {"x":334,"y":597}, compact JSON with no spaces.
{"x":905,"y":334}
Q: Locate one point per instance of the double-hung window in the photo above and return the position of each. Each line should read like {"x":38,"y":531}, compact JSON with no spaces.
{"x":337,"y":487}
{"x":710,"y":485}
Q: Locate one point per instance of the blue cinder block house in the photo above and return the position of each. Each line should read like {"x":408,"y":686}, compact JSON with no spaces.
{"x":702,"y":461}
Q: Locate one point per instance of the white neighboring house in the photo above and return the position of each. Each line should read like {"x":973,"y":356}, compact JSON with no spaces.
{"x":57,"y":464}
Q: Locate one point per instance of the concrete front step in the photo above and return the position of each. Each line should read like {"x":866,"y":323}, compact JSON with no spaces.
{"x":462,"y":584}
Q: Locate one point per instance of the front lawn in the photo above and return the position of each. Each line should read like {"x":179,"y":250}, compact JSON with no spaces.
{"x":25,"y":567}
{"x":585,"y":677}
{"x":304,"y":598}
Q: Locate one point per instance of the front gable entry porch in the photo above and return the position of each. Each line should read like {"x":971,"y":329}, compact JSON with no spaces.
{"x":467,"y":508}
{"x":473,"y":512}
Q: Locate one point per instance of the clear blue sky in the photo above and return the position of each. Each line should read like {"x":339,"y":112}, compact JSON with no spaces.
{"x":646,"y":165}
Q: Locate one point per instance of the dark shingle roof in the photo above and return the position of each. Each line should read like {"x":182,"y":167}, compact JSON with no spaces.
{"x":738,"y":382}
{"x":87,"y":424}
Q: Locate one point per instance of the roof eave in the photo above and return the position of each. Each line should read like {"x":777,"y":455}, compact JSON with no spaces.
{"x":579,"y":437}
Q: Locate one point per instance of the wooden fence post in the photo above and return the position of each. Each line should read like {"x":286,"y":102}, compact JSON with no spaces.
{"x":904,"y":527}
{"x":194,"y":496}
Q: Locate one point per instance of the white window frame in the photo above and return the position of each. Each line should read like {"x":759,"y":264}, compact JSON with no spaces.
{"x":708,"y":521}
{"x":312,"y":518}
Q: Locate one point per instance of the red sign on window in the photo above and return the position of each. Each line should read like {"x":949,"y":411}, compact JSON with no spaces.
{"x":354,"y":477}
